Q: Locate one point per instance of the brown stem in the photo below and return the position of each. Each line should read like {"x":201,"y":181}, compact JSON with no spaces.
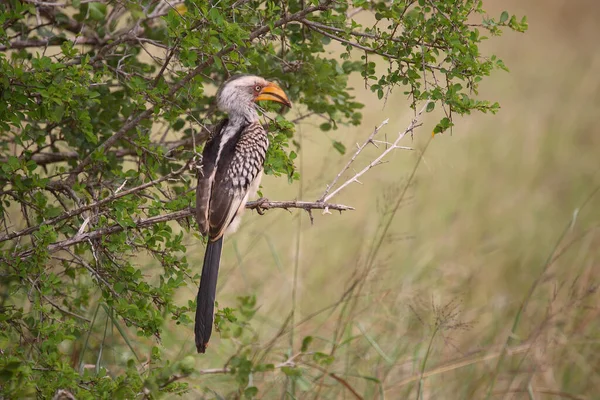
{"x":178,"y":215}
{"x":80,"y":210}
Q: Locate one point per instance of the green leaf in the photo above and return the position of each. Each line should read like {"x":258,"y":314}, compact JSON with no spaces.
{"x":326,"y":126}
{"x":504,"y":17}
{"x":52,"y":212}
{"x":187,"y":365}
{"x":305,"y":343}
{"x":322,"y":358}
{"x":250,"y":392}
{"x":178,"y":124}
{"x":339,"y":147}
{"x":14,"y":164}
{"x":97,"y":11}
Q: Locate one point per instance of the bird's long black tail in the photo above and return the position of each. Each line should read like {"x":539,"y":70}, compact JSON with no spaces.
{"x":205,"y":302}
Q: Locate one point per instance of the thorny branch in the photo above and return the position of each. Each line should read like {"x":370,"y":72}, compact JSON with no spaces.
{"x":179,"y":215}
{"x":80,"y":210}
{"x":414,"y":123}
{"x":358,"y":151}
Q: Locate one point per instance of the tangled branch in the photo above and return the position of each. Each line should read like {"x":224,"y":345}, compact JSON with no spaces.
{"x":176,"y":216}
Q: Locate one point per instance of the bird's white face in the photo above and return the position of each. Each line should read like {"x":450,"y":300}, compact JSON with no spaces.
{"x":238,"y":95}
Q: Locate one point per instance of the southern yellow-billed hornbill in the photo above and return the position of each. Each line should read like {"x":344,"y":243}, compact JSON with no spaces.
{"x":232,"y":165}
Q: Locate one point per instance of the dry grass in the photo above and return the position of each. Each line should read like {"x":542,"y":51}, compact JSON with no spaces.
{"x":471,"y":253}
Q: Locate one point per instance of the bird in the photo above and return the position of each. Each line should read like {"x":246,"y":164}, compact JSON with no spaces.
{"x":230,"y":173}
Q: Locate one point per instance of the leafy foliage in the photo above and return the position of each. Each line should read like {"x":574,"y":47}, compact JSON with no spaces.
{"x":90,"y":93}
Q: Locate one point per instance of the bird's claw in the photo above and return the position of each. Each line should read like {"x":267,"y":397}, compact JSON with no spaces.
{"x":259,"y":209}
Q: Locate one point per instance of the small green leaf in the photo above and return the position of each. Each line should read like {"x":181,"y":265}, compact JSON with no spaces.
{"x":430,"y":107}
{"x":177,"y":125}
{"x":339,"y":146}
{"x":97,"y":11}
{"x":187,"y":365}
{"x":52,"y":211}
{"x":14,"y":163}
{"x":306,"y":342}
{"x":326,"y":126}
{"x":322,"y":358}
{"x":251,"y":392}
{"x":119,"y":287}
{"x":503,"y":17}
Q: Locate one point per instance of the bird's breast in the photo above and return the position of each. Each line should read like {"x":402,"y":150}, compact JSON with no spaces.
{"x":249,"y":157}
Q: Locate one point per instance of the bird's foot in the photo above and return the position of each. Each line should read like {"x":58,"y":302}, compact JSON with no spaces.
{"x":259,"y":205}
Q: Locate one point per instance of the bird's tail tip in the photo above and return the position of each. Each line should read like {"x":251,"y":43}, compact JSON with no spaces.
{"x":205,"y":301}
{"x":201,"y":347}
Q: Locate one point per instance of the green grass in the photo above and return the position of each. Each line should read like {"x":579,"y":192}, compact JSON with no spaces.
{"x":474,"y":292}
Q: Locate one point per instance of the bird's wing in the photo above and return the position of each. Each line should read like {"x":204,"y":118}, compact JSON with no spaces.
{"x":206,"y":179}
{"x":237,"y":169}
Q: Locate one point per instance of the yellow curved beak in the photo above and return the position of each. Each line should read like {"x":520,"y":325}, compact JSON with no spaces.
{"x":272,"y":92}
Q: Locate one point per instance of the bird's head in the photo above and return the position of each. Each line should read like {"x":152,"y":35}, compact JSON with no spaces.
{"x":238,"y":95}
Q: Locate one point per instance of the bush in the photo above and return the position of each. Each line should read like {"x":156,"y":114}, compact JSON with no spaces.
{"x":104,"y":108}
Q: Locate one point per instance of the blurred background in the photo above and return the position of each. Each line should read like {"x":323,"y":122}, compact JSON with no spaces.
{"x":496,"y":233}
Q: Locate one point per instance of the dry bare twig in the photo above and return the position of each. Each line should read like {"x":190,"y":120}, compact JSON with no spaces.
{"x":414,"y":123}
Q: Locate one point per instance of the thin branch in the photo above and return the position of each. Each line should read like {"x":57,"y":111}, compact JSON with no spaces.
{"x":414,"y":123}
{"x":304,"y":205}
{"x":64,"y":311}
{"x":59,"y":308}
{"x":46,"y":158}
{"x":317,"y":28}
{"x":179,"y":215}
{"x":368,"y":35}
{"x":339,"y":379}
{"x":80,"y":210}
{"x":45,"y":3}
{"x":94,"y":273}
{"x":358,"y":151}
{"x":54,"y":41}
{"x":312,"y":26}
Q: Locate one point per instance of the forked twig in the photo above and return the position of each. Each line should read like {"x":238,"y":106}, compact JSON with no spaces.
{"x":414,"y":123}
{"x":358,"y":151}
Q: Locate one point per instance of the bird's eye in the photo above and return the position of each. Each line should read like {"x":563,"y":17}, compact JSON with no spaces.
{"x":257,"y":88}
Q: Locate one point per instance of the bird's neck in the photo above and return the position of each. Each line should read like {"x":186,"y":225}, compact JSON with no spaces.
{"x":243,"y":117}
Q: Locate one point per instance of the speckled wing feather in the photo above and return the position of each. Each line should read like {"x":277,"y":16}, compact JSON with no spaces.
{"x":237,"y":170}
{"x":207,"y":176}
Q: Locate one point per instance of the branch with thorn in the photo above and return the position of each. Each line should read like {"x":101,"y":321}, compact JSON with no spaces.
{"x":390,"y":146}
{"x":81,"y":237}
